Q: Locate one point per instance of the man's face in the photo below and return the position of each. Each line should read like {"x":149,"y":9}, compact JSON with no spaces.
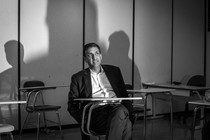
{"x":93,"y":57}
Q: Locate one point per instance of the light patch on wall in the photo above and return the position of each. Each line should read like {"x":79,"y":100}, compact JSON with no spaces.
{"x":110,"y":19}
{"x":34,"y":30}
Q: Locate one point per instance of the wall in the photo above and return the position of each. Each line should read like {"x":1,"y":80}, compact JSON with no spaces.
{"x":52,"y":38}
{"x":8,"y":60}
{"x":188,"y":39}
{"x":51,"y":32}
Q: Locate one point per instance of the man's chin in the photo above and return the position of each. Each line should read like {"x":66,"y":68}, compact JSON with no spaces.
{"x":96,"y":65}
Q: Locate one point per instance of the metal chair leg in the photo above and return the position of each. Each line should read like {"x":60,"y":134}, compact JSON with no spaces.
{"x":38,"y":126}
{"x":23,"y":125}
{"x":59,"y":122}
{"x":98,"y":137}
{"x":194,"y":121}
{"x":11,"y":136}
{"x":45,"y":122}
{"x":145,"y":117}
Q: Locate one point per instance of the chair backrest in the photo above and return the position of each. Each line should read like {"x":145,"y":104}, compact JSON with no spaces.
{"x":33,"y":84}
{"x":197,"y":80}
{"x":6,"y":129}
{"x":185,"y":79}
{"x":34,"y":96}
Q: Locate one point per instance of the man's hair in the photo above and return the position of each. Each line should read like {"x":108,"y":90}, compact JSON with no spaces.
{"x":90,"y":45}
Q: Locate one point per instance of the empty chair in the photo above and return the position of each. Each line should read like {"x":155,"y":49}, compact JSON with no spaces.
{"x":6,"y":129}
{"x":196,"y":80}
{"x":35,"y":104}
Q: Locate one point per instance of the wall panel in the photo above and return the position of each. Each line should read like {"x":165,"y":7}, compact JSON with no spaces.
{"x":109,"y":23}
{"x":51,"y":33}
{"x":188,"y":50}
{"x":152,"y":41}
{"x":8,"y":60}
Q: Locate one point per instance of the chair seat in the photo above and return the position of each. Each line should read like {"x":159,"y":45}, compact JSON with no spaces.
{"x":6,"y":128}
{"x":43,"y":108}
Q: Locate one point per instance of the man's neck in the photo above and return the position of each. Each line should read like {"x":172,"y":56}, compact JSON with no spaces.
{"x":96,"y":69}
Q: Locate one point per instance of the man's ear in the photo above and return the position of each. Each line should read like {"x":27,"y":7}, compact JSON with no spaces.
{"x":84,"y":58}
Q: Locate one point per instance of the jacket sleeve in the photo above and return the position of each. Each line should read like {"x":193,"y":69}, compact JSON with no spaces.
{"x":73,"y":106}
{"x":123,"y":92}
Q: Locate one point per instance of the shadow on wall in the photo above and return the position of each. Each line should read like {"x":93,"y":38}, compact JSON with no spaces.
{"x":118,"y":54}
{"x":9,"y":80}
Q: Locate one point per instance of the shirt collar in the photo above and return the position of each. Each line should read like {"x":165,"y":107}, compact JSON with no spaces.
{"x":101,"y":71}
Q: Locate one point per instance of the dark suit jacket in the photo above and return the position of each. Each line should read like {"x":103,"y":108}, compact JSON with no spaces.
{"x":81,"y":88}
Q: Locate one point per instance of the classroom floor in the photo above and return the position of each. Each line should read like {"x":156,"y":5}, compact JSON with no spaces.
{"x":157,"y":129}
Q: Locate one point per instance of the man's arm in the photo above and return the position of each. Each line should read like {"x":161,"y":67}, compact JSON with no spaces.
{"x":120,"y":90}
{"x":74,"y":107}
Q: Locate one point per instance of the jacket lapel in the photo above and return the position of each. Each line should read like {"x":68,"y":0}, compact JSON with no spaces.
{"x":87,"y":81}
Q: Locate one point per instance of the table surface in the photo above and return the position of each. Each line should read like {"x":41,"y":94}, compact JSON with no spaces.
{"x":107,"y":99}
{"x":200,"y":102}
{"x":42,"y":87}
{"x":12,"y":102}
{"x":173,"y":86}
{"x":151,"y":90}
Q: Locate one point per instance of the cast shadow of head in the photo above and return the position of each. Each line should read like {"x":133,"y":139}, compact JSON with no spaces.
{"x":9,"y":77}
{"x":65,"y":22}
{"x":118,"y":55}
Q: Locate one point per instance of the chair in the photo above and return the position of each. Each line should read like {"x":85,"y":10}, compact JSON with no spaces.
{"x":86,"y":117}
{"x":6,"y":129}
{"x":35,"y":104}
{"x":197,"y":80}
{"x":200,"y":106}
{"x":87,"y":114}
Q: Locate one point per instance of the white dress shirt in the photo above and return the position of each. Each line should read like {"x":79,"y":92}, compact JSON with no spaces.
{"x":101,"y":86}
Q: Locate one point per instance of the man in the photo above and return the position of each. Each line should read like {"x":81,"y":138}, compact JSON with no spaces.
{"x":101,"y":81}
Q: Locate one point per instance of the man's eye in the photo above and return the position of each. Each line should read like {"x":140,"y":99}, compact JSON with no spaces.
{"x":97,"y":53}
{"x":89,"y":55}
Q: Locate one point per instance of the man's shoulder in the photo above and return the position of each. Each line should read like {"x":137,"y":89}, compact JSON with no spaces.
{"x":112,"y":67}
{"x":80,"y":73}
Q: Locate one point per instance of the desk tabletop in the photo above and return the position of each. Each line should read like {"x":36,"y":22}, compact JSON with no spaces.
{"x":200,"y":102}
{"x":107,"y":99}
{"x":151,"y":90}
{"x":173,"y":86}
{"x":12,"y":102}
{"x":42,"y":87}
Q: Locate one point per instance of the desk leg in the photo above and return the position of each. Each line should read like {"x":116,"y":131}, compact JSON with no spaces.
{"x":145,"y":116}
{"x":171,"y":113}
{"x":202,"y":111}
{"x":153,"y":106}
{"x":154,"y":116}
{"x":194,"y":121}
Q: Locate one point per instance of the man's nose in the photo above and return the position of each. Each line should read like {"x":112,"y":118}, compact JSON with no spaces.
{"x":94,"y":56}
